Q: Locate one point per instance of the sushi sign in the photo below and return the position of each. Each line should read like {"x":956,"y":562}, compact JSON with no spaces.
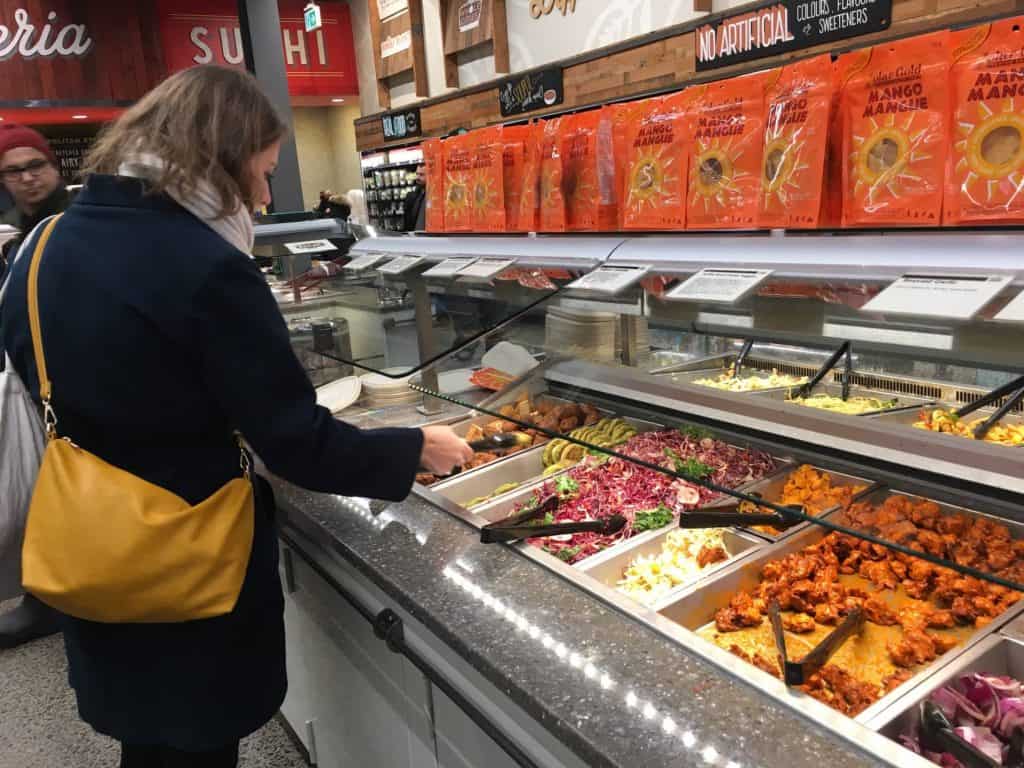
{"x":779,"y":27}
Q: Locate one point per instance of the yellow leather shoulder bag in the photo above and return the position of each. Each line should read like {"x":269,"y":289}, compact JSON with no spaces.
{"x":104,"y":545}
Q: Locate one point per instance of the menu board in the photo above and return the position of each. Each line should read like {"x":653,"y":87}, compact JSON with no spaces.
{"x":951,"y":297}
{"x":725,"y":286}
{"x":609,"y":279}
{"x":486,"y":268}
{"x":366,"y":261}
{"x":449,"y":267}
{"x":400,"y":265}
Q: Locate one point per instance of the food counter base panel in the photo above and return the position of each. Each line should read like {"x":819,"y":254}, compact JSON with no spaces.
{"x":612,"y":690}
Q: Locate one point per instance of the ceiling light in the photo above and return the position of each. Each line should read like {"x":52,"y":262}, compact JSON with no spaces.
{"x":79,"y":117}
{"x":338,"y":101}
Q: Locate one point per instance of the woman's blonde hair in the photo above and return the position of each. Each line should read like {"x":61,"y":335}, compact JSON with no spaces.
{"x":204,"y":123}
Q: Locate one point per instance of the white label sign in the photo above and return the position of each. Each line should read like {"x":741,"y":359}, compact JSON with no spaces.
{"x":449,"y":267}
{"x":609,"y":279}
{"x":310,"y":246}
{"x":950,"y":297}
{"x":486,"y":268}
{"x":726,"y":286}
{"x":396,"y":44}
{"x":400,"y":265}
{"x":366,"y":261}
{"x":1012,"y":312}
{"x":389,"y":8}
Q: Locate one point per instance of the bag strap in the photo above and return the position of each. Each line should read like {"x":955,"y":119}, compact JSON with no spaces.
{"x":45,"y":386}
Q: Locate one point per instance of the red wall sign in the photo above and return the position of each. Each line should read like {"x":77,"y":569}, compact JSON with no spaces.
{"x":320,"y":63}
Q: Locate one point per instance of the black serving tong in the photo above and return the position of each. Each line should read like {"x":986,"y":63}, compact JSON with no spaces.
{"x":845,"y":350}
{"x":724,"y":515}
{"x":1015,"y":390}
{"x":799,"y":672}
{"x":742,"y":358}
{"x":519,"y":527}
{"x":500,"y":442}
{"x":937,"y":735}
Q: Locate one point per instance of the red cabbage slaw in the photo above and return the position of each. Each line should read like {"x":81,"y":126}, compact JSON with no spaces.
{"x":984,"y":711}
{"x":620,"y":487}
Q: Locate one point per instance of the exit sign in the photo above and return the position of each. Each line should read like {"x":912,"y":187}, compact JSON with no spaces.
{"x":313,"y":18}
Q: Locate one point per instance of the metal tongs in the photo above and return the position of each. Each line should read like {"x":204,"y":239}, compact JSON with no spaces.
{"x":937,"y":735}
{"x":500,"y":442}
{"x":519,"y":527}
{"x":730,"y":514}
{"x":1015,"y":390}
{"x":799,"y":672}
{"x":845,"y":350}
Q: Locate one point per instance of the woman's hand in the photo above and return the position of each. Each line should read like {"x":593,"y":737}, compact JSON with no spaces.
{"x":443,"y":450}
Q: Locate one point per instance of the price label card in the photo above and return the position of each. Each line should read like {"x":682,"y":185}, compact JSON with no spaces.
{"x":486,"y":268}
{"x":950,"y":297}
{"x":1012,"y":312}
{"x":609,"y":279}
{"x":366,"y":261}
{"x":400,"y":265}
{"x":726,"y":286}
{"x":310,"y":246}
{"x":449,"y":267}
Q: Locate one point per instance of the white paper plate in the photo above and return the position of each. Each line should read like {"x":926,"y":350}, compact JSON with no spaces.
{"x":340,"y":394}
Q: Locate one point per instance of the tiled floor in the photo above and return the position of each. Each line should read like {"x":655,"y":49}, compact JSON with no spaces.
{"x":39,"y":725}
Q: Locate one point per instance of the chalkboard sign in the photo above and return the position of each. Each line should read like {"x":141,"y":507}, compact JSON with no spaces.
{"x":779,"y":27}
{"x":534,"y":90}
{"x":402,"y":124}
{"x":70,"y":152}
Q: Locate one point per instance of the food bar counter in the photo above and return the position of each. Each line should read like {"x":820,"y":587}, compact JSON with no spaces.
{"x":743,"y":532}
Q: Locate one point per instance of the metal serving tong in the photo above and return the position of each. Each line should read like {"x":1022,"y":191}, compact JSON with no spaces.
{"x":741,"y":358}
{"x":937,"y":735}
{"x":500,"y":442}
{"x":799,"y":672}
{"x":1015,"y":390}
{"x":846,"y":350}
{"x":732,"y":514}
{"x":519,"y":527}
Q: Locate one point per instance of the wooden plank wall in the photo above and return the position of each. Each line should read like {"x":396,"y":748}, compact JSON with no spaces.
{"x":665,"y":64}
{"x":124,"y":63}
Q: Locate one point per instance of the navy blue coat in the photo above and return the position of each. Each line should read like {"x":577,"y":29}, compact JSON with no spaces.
{"x":161,"y":339}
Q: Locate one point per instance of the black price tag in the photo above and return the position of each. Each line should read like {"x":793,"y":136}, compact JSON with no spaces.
{"x":534,"y":90}
{"x":401,"y":125}
{"x":790,"y":25}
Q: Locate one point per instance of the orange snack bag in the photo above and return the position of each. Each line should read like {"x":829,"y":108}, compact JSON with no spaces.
{"x":896,"y":124}
{"x":654,"y":187}
{"x":985,"y":166}
{"x":843,"y":69}
{"x":795,"y":143}
{"x":458,"y":183}
{"x":529,"y":201}
{"x":725,"y":156}
{"x":624,"y":116}
{"x":515,"y":139}
{"x":552,"y":196}
{"x":588,"y":171}
{"x":488,"y":198}
{"x":433,"y":159}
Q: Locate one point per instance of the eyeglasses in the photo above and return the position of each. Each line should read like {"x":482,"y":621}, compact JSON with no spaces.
{"x":13,"y":173}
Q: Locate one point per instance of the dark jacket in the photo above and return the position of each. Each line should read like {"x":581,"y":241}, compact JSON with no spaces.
{"x":414,"y":210}
{"x":161,"y":339}
{"x":58,"y":201}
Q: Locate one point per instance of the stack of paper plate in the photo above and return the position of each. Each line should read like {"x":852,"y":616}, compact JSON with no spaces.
{"x":340,"y":394}
{"x":641,"y":332}
{"x":581,"y":333}
{"x":380,"y":391}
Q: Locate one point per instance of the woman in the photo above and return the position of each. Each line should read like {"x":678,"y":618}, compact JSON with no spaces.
{"x":162,"y":339}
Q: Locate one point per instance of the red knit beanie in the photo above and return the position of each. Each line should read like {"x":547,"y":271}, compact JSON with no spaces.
{"x":13,"y":136}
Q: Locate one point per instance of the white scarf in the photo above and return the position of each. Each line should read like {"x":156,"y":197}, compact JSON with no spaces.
{"x":204,"y":203}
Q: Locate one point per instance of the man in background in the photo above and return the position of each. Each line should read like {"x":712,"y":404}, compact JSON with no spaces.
{"x":414,"y":208}
{"x":28,"y":170}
